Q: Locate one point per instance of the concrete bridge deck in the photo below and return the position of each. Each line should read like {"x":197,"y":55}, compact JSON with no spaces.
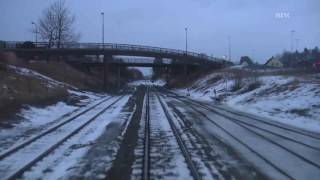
{"x":108,"y":49}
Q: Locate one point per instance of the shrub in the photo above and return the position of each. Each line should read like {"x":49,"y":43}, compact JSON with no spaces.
{"x":237,"y":85}
{"x":253,"y":86}
{"x":300,"y":112}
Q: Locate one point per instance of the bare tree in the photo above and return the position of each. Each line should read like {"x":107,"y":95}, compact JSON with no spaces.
{"x":56,"y":25}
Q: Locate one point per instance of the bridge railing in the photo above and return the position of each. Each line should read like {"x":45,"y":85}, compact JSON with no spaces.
{"x":106,"y":46}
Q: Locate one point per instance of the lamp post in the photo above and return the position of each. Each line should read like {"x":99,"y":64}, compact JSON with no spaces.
{"x":292,"y":35}
{"x":102,"y":14}
{"x":229,"y":48}
{"x":36,"y":31}
{"x":185,"y":64}
{"x":104,"y":59}
{"x":297,"y":44}
{"x":186,"y":30}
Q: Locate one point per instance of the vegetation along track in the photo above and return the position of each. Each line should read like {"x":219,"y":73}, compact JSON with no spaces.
{"x":16,"y":172}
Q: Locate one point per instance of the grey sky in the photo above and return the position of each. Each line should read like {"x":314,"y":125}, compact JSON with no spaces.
{"x":252,"y":24}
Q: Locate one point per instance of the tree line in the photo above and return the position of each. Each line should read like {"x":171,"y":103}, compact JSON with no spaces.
{"x":305,"y":58}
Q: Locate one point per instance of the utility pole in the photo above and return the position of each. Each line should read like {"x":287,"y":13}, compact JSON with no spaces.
{"x":292,"y":36}
{"x":229,"y":47}
{"x":297,"y":44}
{"x":185,"y":65}
{"x":104,"y":58}
{"x":36,"y":31}
{"x":186,"y":29}
{"x":102,"y":14}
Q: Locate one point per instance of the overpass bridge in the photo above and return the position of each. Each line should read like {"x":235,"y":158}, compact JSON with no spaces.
{"x":108,"y":50}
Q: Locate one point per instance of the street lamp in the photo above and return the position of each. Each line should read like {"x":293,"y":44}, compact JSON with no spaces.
{"x":229,"y":48}
{"x":104,"y":59}
{"x":292,"y":35}
{"x":36,"y":30}
{"x":186,"y":29}
{"x":102,"y":14}
{"x":297,"y":44}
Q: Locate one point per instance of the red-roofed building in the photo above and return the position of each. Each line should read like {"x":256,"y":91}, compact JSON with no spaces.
{"x":316,"y":64}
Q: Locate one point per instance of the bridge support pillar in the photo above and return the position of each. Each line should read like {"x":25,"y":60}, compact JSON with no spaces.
{"x":106,"y":58}
{"x":185,"y":69}
{"x":118,"y":77}
{"x":168,"y":71}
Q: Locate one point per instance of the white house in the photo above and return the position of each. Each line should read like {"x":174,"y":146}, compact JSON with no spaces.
{"x":274,"y":62}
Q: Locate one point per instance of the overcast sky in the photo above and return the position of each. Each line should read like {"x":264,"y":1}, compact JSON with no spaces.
{"x":257,"y":28}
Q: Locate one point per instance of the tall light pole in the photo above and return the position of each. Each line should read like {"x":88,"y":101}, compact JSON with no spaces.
{"x":102,"y":14}
{"x":104,"y":60}
{"x":36,"y":30}
{"x":297,"y":44}
{"x":229,"y":47}
{"x":292,"y":36}
{"x":186,"y":30}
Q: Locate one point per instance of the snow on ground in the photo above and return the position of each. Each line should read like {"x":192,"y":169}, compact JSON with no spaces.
{"x":31,"y":119}
{"x":34,"y":119}
{"x":39,"y":116}
{"x":288,"y":99}
{"x":60,"y":163}
{"x":51,"y":82}
{"x":158,"y":82}
{"x":164,"y":146}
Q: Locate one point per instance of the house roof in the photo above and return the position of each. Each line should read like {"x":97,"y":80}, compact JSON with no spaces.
{"x":272,"y":58}
{"x":247,"y":61}
{"x":268,"y":60}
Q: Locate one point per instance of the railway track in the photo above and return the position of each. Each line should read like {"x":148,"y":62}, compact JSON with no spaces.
{"x":147,"y":144}
{"x":282,"y":142}
{"x":146,"y":157}
{"x":45,"y":143}
{"x":21,"y":145}
{"x":251,"y":117}
{"x":193,"y":170}
{"x":297,"y":136}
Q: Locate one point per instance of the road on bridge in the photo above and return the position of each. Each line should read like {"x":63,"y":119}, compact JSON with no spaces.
{"x":149,"y":132}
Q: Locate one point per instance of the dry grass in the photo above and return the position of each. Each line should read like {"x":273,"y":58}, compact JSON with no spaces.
{"x":17,"y":90}
{"x":65,"y":73}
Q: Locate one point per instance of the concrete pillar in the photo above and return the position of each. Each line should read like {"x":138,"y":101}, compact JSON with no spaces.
{"x":118,"y":74}
{"x":185,"y":69}
{"x":104,"y":71}
{"x":168,"y":71}
{"x":47,"y":57}
{"x":106,"y":58}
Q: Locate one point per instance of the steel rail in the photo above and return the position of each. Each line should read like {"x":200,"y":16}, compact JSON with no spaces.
{"x":240,"y":141}
{"x":192,"y":104}
{"x":18,"y":173}
{"x":146,"y":157}
{"x":194,"y":172}
{"x":291,"y":129}
{"x":29,"y":141}
{"x":206,"y":106}
{"x":264,"y":137}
